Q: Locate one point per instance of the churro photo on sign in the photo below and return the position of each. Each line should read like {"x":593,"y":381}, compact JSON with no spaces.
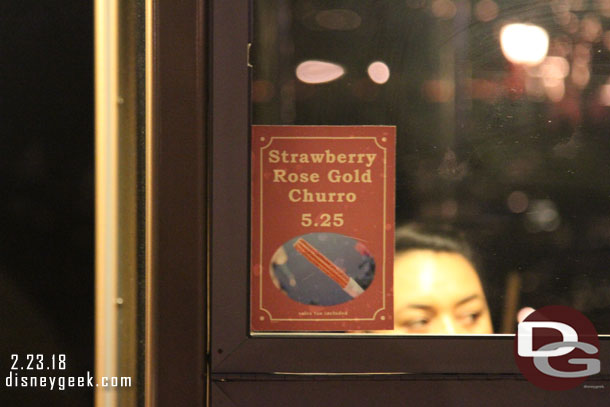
{"x":322,"y":268}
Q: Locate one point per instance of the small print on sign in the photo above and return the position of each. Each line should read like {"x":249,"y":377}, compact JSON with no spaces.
{"x":322,"y":228}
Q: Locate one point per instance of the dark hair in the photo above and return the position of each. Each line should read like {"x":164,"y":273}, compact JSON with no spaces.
{"x":436,"y":237}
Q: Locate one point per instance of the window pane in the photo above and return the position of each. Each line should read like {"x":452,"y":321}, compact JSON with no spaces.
{"x":501,"y":114}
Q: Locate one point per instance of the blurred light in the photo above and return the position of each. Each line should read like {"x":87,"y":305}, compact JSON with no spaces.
{"x":563,"y":18}
{"x":524,"y":43}
{"x":555,"y":89}
{"x":590,"y":28}
{"x":262,"y":91}
{"x":543,"y":216}
{"x":338,"y":19}
{"x":439,"y":91}
{"x":315,"y":72}
{"x":604,"y":95}
{"x":573,"y":24}
{"x":580,"y":74}
{"x":552,"y":71}
{"x":443,"y":9}
{"x":582,"y":52}
{"x":561,"y":46}
{"x":524,"y":313}
{"x":379,"y":72}
{"x":550,"y":68}
{"x":486,"y":10}
{"x":560,"y":7}
{"x":517,"y":202}
{"x":555,"y":67}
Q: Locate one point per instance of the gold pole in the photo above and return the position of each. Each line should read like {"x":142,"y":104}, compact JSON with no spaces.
{"x":117,"y":124}
{"x":149,"y":378}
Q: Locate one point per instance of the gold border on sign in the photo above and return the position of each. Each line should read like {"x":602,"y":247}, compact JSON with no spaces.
{"x":385,"y":180}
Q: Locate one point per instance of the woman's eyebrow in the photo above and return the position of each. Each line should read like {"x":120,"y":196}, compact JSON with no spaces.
{"x":457,"y":304}
{"x":419,"y":306}
{"x":467,"y":299}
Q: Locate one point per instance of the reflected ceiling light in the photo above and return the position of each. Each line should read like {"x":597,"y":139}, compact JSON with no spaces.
{"x":551,"y":68}
{"x":443,"y":9}
{"x":555,"y":89}
{"x":543,"y":215}
{"x":591,"y":28}
{"x":580,"y":74}
{"x":524,"y":44}
{"x":338,"y":19}
{"x":486,"y":10}
{"x":379,"y":72}
{"x":517,"y":202}
{"x":604,"y":95}
{"x":314,"y":72}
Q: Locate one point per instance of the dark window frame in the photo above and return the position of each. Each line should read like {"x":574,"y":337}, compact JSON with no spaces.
{"x":200,"y":221}
{"x":233,"y":349}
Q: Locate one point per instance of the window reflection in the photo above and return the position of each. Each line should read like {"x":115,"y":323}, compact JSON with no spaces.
{"x":508,"y":146}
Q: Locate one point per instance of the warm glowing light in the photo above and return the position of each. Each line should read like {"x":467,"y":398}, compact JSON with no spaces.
{"x":486,"y":10}
{"x":555,"y":89}
{"x":551,"y":68}
{"x":517,"y":202}
{"x":591,"y":28}
{"x":550,"y":74}
{"x":543,"y":215}
{"x":580,"y":74}
{"x":443,"y":9}
{"x":604,"y":95}
{"x":315,"y":72}
{"x":524,"y":44}
{"x":535,"y":88}
{"x":379,"y":72}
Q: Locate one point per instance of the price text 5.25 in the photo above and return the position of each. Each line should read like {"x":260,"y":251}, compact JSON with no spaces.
{"x":323,"y":220}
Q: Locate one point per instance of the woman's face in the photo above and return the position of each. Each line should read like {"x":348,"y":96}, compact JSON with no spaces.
{"x":438,"y":293}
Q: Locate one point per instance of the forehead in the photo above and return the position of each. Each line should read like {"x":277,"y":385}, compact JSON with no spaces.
{"x":428,"y":277}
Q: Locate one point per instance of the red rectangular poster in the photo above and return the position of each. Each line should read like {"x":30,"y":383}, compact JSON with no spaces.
{"x":322,"y":228}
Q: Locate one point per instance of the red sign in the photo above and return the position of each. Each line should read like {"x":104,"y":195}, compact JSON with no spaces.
{"x":322,"y":228}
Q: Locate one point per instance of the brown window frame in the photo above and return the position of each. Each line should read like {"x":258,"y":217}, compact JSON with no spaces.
{"x":198,"y":323}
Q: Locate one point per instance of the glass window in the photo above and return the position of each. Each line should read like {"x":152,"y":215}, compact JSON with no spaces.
{"x":501,"y":111}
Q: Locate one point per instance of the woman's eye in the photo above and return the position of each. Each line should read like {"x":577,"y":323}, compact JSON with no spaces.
{"x":418,"y":323}
{"x":472,"y":317}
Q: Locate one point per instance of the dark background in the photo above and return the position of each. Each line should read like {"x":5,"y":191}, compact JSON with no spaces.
{"x":460,"y":159}
{"x":46,"y":191}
